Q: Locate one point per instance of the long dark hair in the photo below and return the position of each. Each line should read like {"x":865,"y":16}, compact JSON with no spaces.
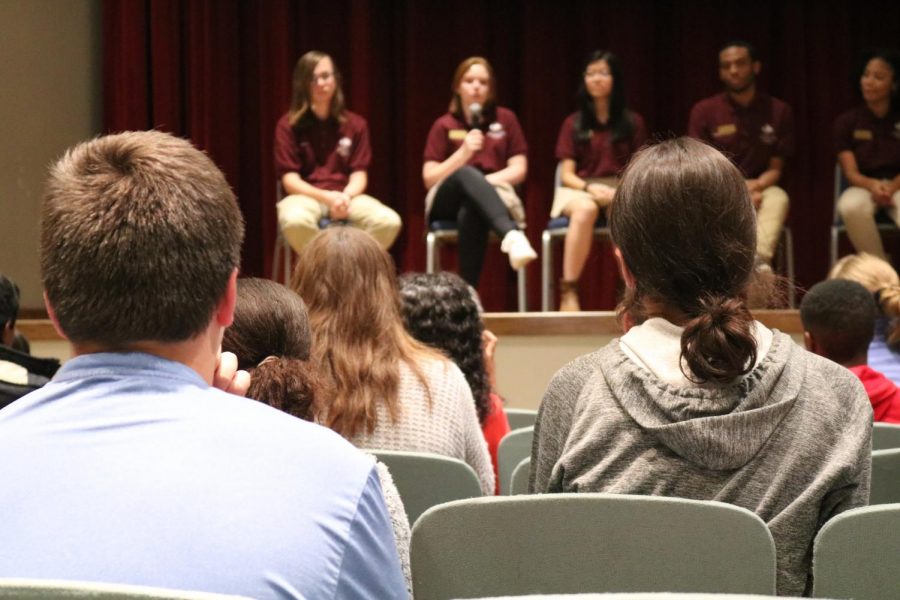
{"x":621,"y":124}
{"x":889,"y":55}
{"x":301,"y":105}
{"x":439,"y":310}
{"x":697,"y":261}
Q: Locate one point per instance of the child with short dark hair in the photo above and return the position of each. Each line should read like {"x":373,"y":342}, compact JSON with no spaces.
{"x":838,"y":322}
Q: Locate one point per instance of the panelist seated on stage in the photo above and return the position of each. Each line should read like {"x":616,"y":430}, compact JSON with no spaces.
{"x":130,"y":466}
{"x":322,"y":153}
{"x":867,"y":143}
{"x":756,"y":132}
{"x":474,"y":157}
{"x":594,"y":145}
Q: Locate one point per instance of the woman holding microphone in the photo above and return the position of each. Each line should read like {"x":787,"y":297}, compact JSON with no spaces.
{"x":474,"y":156}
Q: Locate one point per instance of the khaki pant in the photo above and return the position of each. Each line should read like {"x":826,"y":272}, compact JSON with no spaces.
{"x":298,"y":217}
{"x":857,"y":210}
{"x":564,"y":195}
{"x":770,"y":217}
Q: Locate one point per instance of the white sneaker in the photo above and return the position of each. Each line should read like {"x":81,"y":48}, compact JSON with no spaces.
{"x":520,"y":252}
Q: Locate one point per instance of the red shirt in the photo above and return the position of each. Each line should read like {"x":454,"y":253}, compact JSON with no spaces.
{"x":495,"y":426}
{"x":883,"y":394}
{"x":503,"y":139}
{"x":748,"y":135}
{"x":599,"y":156}
{"x":875,"y":142}
{"x":324,"y":153}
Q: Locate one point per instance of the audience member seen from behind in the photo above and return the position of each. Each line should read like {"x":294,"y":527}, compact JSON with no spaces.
{"x":20,"y":372}
{"x":322,"y":154}
{"x":697,"y":399}
{"x":440,"y":310}
{"x":594,"y":145}
{"x":882,"y":281}
{"x":386,"y":391}
{"x":838,"y":323}
{"x":271,"y":338}
{"x":475,"y":155}
{"x":164,"y":475}
{"x":868,"y":150}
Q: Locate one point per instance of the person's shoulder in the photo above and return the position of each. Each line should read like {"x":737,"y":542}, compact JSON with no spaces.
{"x":256,"y":420}
{"x":637,"y":118}
{"x":825,"y":377}
{"x":284,"y":122}
{"x":446,"y":121}
{"x":506,"y":115}
{"x":575,"y":373}
{"x":709,"y":103}
{"x":355,"y":120}
{"x":849,"y":117}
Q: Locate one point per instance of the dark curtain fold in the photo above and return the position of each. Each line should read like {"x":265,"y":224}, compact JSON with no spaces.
{"x":218,"y":72}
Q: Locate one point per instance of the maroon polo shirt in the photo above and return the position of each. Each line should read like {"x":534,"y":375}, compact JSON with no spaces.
{"x":324,"y":153}
{"x":503,"y":139}
{"x":749,"y":135}
{"x":599,"y":156}
{"x":875,"y":142}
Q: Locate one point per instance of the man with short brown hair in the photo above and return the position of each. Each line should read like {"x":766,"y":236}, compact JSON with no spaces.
{"x":753,"y":129}
{"x":136,"y":469}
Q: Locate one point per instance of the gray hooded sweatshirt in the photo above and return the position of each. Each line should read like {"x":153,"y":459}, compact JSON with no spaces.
{"x":790,"y":441}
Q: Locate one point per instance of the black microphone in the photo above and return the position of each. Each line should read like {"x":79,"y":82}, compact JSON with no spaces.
{"x":475,"y":114}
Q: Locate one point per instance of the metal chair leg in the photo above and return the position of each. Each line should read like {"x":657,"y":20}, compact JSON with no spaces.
{"x":546,"y":270}
{"x":431,"y":251}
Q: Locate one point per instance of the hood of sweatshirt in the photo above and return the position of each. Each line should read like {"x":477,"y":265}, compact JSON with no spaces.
{"x":719,"y":428}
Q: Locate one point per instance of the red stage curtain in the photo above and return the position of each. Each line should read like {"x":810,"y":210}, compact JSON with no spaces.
{"x":218,"y":72}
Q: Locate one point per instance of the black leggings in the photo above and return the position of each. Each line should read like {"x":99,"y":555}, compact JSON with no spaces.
{"x":467,"y":198}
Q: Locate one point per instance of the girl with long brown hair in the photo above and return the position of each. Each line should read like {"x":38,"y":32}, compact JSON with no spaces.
{"x":697,"y":399}
{"x":386,"y":390}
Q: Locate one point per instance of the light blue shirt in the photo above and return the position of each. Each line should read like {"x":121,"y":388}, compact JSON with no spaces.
{"x":881,"y":358}
{"x":129,"y":468}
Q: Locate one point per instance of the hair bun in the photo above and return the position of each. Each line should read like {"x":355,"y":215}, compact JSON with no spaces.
{"x":718,"y":343}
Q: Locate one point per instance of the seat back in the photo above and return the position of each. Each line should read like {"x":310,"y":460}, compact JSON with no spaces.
{"x":520,"y":418}
{"x":885,"y":477}
{"x":514,"y":446}
{"x":37,"y":589}
{"x":571,"y":543}
{"x":855,"y":555}
{"x":885,"y":436}
{"x":520,"y":476}
{"x":425,"y":480}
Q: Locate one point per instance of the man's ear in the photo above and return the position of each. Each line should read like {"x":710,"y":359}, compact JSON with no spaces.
{"x":225,"y":310}
{"x":52,"y":315}
{"x":809,"y":341}
{"x":757,"y":67}
{"x":627,"y":277}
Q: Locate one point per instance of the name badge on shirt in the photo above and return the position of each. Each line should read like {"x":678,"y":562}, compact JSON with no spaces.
{"x":767,"y":135}
{"x":496,"y":131}
{"x":343,"y":147}
{"x":726,"y":129}
{"x":862,"y":134}
{"x":457,"y":135}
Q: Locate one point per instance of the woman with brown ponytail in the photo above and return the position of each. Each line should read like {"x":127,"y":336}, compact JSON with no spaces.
{"x":880,"y":278}
{"x":697,"y":399}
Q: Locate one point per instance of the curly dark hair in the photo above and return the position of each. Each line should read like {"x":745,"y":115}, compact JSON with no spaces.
{"x":439,"y":310}
{"x":271,"y":337}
